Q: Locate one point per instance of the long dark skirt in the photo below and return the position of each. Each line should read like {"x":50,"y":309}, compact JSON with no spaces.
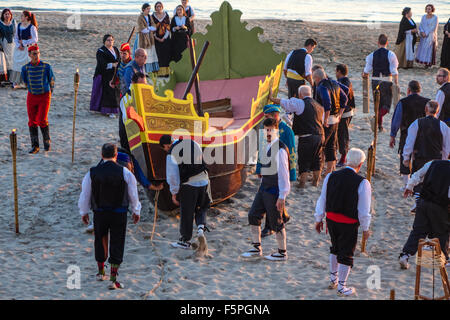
{"x":104,"y":99}
{"x":163,"y":51}
{"x":179,"y":44}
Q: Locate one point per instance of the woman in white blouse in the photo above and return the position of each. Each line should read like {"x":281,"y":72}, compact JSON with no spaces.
{"x":426,"y":50}
{"x":26,"y":35}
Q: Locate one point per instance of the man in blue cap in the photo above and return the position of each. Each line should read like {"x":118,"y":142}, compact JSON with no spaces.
{"x":286,"y":135}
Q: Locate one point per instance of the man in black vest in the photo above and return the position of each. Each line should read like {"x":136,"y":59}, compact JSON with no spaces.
{"x":344,"y":123}
{"x":432,"y":213}
{"x":345,"y":200}
{"x":308,"y":126}
{"x":443,"y":95}
{"x":383,"y":64}
{"x":108,"y":189}
{"x":271,"y":196}
{"x":428,"y":139}
{"x":187,"y":176}
{"x":297,"y":67}
{"x":331,"y":96}
{"x":406,"y":112}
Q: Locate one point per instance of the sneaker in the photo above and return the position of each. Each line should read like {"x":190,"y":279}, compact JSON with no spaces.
{"x":101,"y":277}
{"x":333,"y":284}
{"x":116,"y":285}
{"x":181,"y":244}
{"x":253,"y":252}
{"x":112,"y":115}
{"x":333,"y":280}
{"x":403,"y":260}
{"x":345,"y":292}
{"x":277,"y":256}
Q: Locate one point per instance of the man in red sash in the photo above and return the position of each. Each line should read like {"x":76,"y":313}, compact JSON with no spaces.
{"x":345,"y":198}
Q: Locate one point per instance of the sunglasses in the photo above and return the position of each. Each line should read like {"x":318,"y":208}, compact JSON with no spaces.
{"x":35,"y":53}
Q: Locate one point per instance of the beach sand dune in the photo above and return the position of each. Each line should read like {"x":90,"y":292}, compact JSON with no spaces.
{"x":37,"y":263}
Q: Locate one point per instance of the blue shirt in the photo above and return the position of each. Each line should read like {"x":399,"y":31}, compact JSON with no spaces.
{"x":396,"y":119}
{"x":38,"y":78}
{"x":326,"y":98}
{"x":130,"y":69}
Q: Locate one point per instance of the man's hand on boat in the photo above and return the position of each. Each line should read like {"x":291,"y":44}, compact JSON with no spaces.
{"x":156,"y":187}
{"x":174,"y":199}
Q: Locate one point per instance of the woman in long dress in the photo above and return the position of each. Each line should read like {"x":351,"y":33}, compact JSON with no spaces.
{"x":105,"y":98}
{"x":162,"y":38}
{"x":406,"y":40}
{"x":25,"y":36}
{"x":145,"y":38}
{"x":426,"y":50}
{"x":445,"y":54}
{"x":7,"y":31}
{"x":181,"y":31}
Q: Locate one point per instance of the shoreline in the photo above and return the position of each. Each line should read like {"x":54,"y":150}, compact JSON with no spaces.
{"x":67,"y":12}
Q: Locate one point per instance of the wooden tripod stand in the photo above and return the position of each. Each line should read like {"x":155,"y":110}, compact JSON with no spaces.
{"x":432,"y":260}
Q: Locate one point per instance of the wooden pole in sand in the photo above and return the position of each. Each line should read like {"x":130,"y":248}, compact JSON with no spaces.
{"x":366,"y":96}
{"x":375,"y":132}
{"x":76,"y":84}
{"x":156,"y":215}
{"x":392,"y":296}
{"x":13,"y":141}
{"x":369,"y":163}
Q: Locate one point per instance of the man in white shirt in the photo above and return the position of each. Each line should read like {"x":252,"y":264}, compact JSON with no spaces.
{"x":188,"y":179}
{"x":297,"y":67}
{"x":109,"y":189}
{"x":443,"y":95}
{"x":271,"y":195}
{"x":428,"y":139}
{"x":345,"y":199}
{"x":383,"y":64}
{"x":308,"y":125}
{"x":431,"y":217}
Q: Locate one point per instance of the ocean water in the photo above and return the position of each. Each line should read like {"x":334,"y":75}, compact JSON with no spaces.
{"x":359,"y":11}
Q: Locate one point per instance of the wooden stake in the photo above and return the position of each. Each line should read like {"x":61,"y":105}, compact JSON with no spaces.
{"x":369,"y":163}
{"x":375,"y":132}
{"x":392,"y":294}
{"x":76,"y":84}
{"x":366,"y":96}
{"x":13,"y":141}
{"x":363,"y":243}
{"x":156,"y":215}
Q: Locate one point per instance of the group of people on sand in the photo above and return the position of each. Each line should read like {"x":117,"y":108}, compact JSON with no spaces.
{"x":158,"y":38}
{"x":318,"y":113}
{"x":426,"y":36}
{"x":22,"y":68}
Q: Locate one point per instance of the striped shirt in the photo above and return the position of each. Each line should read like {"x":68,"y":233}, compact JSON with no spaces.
{"x":38,"y":78}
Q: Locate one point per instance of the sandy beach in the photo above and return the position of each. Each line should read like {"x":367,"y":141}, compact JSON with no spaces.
{"x":34,"y":264}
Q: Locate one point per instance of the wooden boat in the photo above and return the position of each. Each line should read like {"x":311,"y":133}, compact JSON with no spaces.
{"x":235,"y":77}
